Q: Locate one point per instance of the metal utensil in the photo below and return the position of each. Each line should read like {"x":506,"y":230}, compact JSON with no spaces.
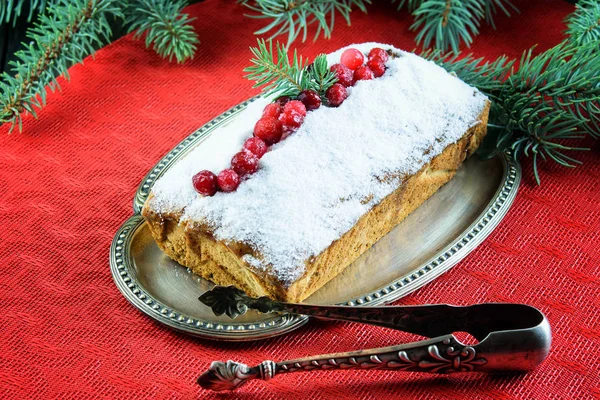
{"x":512,"y":337}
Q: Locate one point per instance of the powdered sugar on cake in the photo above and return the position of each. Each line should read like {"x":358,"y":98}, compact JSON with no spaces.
{"x":314,"y":186}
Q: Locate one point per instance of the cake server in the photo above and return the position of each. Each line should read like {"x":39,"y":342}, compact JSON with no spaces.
{"x":512,"y":337}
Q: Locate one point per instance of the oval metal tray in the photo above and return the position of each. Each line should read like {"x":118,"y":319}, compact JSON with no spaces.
{"x":427,"y":243}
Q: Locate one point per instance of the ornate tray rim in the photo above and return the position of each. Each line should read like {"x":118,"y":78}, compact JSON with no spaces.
{"x":121,"y":258}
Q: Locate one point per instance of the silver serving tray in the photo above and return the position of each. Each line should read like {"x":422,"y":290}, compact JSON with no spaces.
{"x":427,"y":243}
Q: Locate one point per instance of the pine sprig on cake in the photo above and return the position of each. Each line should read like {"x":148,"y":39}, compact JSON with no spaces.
{"x":281,"y":75}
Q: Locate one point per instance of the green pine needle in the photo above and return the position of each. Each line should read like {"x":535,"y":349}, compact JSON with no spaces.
{"x":281,"y":76}
{"x":167,"y":30}
{"x":584,"y":24}
{"x":446,"y":23}
{"x":491,"y":9}
{"x":412,"y":5}
{"x":486,"y":76}
{"x":10,"y":10}
{"x":550,"y":98}
{"x":70,"y":31}
{"x":293,"y":17}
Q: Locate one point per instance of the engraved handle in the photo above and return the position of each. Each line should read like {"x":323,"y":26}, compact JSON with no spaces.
{"x":427,"y":320}
{"x":440,"y":355}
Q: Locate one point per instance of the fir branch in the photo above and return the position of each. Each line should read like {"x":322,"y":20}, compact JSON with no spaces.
{"x":70,"y":31}
{"x":293,"y":17}
{"x":412,"y":5}
{"x":584,"y":24}
{"x":276,"y":73}
{"x":281,"y":76}
{"x":550,"y":98}
{"x":486,"y":76}
{"x":446,"y":23}
{"x":320,"y":77}
{"x":167,"y":30}
{"x":10,"y":10}
{"x":491,"y":9}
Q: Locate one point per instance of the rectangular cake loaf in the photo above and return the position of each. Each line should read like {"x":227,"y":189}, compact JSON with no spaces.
{"x":327,"y":193}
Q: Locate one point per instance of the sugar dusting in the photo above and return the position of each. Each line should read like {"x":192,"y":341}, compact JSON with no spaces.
{"x":314,"y":186}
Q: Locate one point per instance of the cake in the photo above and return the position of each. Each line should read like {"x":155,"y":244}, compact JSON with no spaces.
{"x":324,"y":195}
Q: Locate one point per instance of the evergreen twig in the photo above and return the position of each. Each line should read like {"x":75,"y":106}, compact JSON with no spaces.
{"x":584,"y":24}
{"x":70,"y":31}
{"x":166,"y":28}
{"x":491,"y":9}
{"x":550,"y":98}
{"x":10,"y":10}
{"x":446,"y":23}
{"x":281,"y":76}
{"x":293,"y":17}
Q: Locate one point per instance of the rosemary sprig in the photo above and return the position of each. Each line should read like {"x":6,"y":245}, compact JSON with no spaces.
{"x":281,"y":76}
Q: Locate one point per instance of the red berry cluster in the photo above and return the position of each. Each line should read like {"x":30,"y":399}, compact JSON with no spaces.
{"x":278,"y":120}
{"x":352,"y":68}
{"x":283,"y":117}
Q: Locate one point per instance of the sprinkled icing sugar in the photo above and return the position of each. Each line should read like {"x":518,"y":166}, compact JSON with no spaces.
{"x":314,"y":186}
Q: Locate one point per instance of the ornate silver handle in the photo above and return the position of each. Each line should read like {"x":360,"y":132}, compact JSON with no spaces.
{"x":512,"y":337}
{"x":441,"y":355}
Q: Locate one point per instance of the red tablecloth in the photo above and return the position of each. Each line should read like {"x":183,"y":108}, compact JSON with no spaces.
{"x":67,"y":182}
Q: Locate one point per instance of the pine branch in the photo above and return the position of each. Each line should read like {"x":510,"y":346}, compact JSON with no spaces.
{"x":446,"y":23}
{"x":10,"y":10}
{"x":584,"y":24}
{"x":491,"y":9}
{"x":320,"y":77}
{"x":293,"y":17}
{"x":486,"y":76}
{"x":552,"y":97}
{"x":70,"y":31}
{"x":412,"y":5}
{"x":281,"y":76}
{"x":167,"y":29}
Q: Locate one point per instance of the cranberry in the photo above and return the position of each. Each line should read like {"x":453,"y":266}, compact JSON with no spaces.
{"x":336,"y":94}
{"x":282,"y":101}
{"x":379,"y":52}
{"x":310,"y":98}
{"x":287,"y":131}
{"x":228,"y":180}
{"x":352,"y":58}
{"x":363,"y":73}
{"x":272,"y":110}
{"x":244,"y":163}
{"x":268,"y":129}
{"x":377,"y":66}
{"x":256,"y":146}
{"x":344,"y":74}
{"x":205,"y":183}
{"x":293,"y":114}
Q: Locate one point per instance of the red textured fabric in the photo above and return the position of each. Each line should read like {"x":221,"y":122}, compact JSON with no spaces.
{"x":67,"y":182}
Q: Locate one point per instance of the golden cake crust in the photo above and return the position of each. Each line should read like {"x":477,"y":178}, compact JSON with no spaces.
{"x":192,"y":245}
